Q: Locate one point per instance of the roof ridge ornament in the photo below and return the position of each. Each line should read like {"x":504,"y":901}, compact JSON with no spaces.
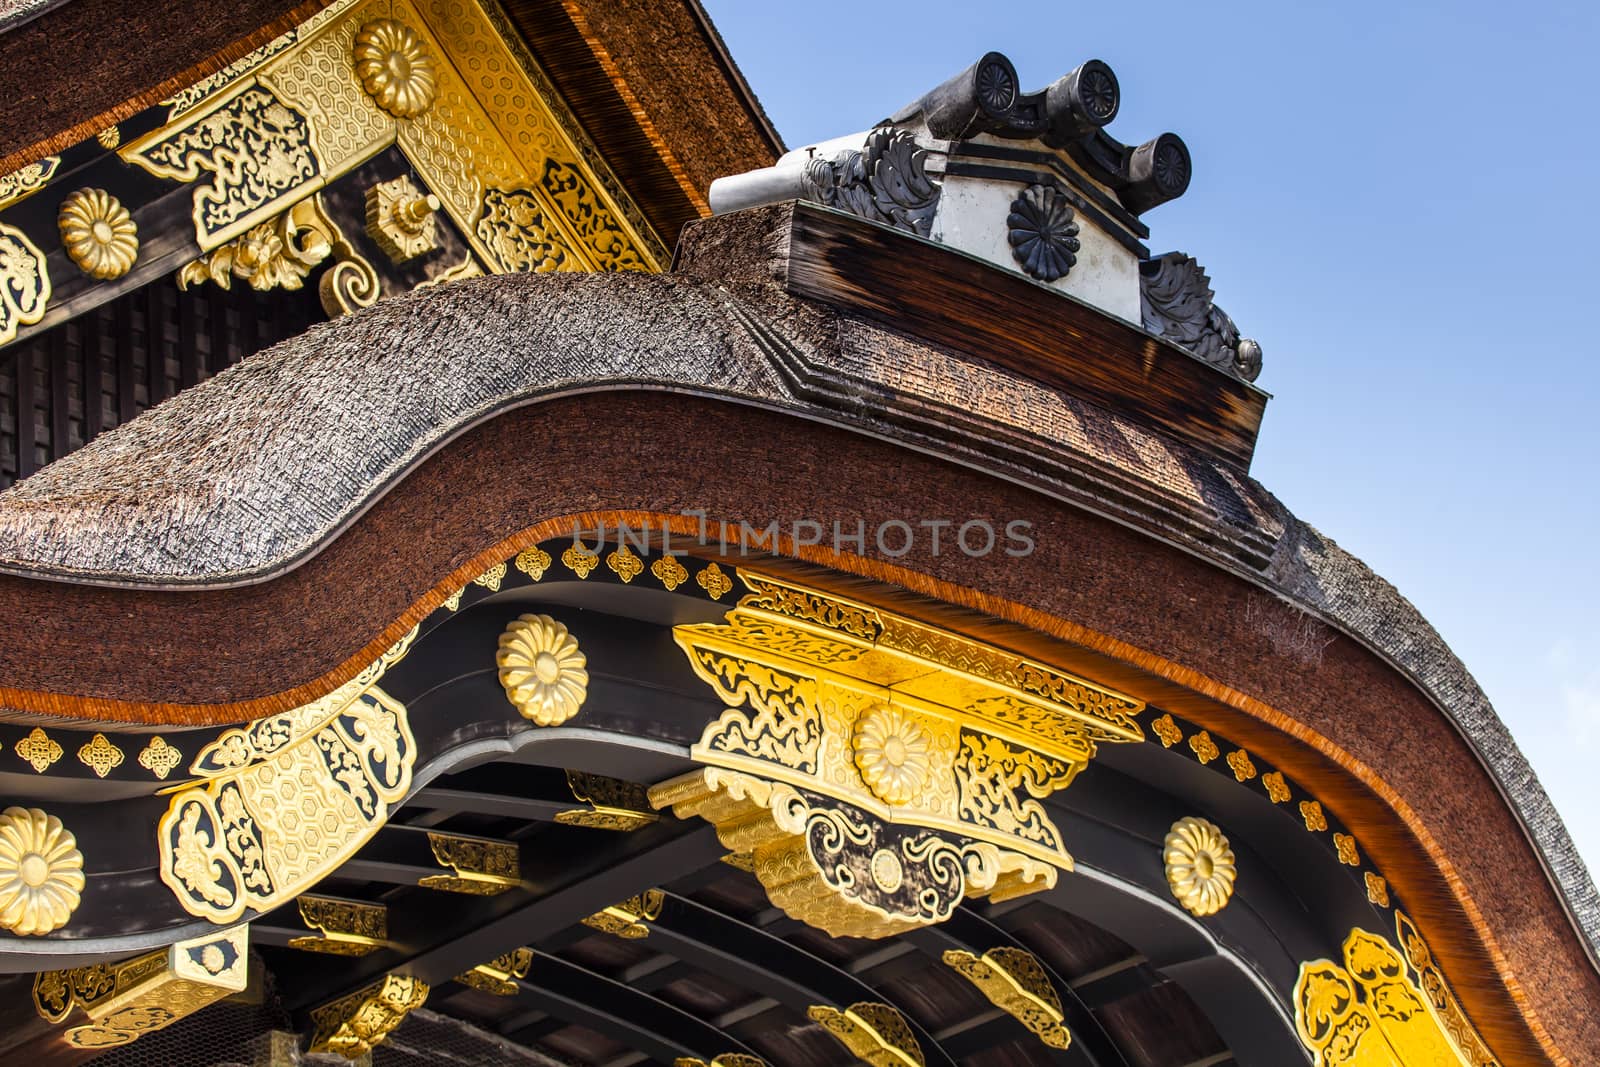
{"x":1030,"y":182}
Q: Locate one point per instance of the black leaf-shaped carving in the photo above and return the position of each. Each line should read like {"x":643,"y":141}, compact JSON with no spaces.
{"x":1044,"y":239}
{"x":884,"y":181}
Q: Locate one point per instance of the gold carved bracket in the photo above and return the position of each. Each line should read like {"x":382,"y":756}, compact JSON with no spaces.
{"x":344,"y":927}
{"x":480,"y":867}
{"x":1016,"y":983}
{"x":353,"y":1025}
{"x":499,"y":976}
{"x":876,"y":1034}
{"x":877,"y":769}
{"x":110,"y":1004}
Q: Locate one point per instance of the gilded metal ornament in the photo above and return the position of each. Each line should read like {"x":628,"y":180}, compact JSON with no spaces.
{"x":1016,"y":983}
{"x":629,"y":920}
{"x":669,"y":572}
{"x":624,"y":563}
{"x":159,"y":758}
{"x":1166,"y":730}
{"x":1205,"y":749}
{"x":400,"y":219}
{"x":580,"y":562}
{"x":288,"y":798}
{"x":1311,"y":812}
{"x":480,"y":867}
{"x":1277,"y":788}
{"x":38,"y":750}
{"x":533,"y":562}
{"x":109,"y":137}
{"x":542,"y":669}
{"x":121,"y":1002}
{"x":857,"y":731}
{"x":41,"y":872}
{"x":27,"y":180}
{"x":344,"y":927}
{"x":613,"y":804}
{"x":876,"y":1034}
{"x":395,"y":67}
{"x":514,"y":226}
{"x":1377,"y":890}
{"x":98,"y":233}
{"x":491,"y":578}
{"x":1240,"y":763}
{"x":499,"y":976}
{"x":100,"y":755}
{"x":1370,"y":1012}
{"x":1441,"y":999}
{"x":353,"y":1025}
{"x":714,"y":582}
{"x":24,"y":282}
{"x":1346,"y":847}
{"x":1200,"y":866}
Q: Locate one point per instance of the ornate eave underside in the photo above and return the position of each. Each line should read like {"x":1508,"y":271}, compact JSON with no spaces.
{"x":86,"y":518}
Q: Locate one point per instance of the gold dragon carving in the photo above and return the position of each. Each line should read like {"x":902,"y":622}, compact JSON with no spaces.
{"x":876,"y":770}
{"x":283,"y":801}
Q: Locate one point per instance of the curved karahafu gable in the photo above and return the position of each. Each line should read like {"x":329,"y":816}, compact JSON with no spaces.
{"x":355,"y":478}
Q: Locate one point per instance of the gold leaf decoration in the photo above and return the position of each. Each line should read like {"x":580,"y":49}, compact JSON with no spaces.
{"x":1205,"y":749}
{"x":1243,"y":768}
{"x":109,"y":137}
{"x":1377,"y":890}
{"x":1277,"y":788}
{"x":1015,"y":982}
{"x":714,"y":582}
{"x":533,"y":562}
{"x":39,"y":750}
{"x":669,"y":572}
{"x":98,"y":233}
{"x":627,"y":920}
{"x":1311,"y":812}
{"x":542,"y":669}
{"x":624,"y":563}
{"x":159,"y":758}
{"x":395,"y":68}
{"x":1166,"y":730}
{"x":1347,"y":849}
{"x":24,"y":280}
{"x":876,"y":1034}
{"x":479,"y":866}
{"x":499,"y":976}
{"x":491,"y":578}
{"x":100,"y":755}
{"x":453,"y":601}
{"x":1200,"y":865}
{"x":351,"y":1026}
{"x":891,"y":751}
{"x":580,"y":562}
{"x":41,"y":872}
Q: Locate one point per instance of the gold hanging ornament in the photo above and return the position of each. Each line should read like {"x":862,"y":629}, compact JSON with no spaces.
{"x":98,"y":233}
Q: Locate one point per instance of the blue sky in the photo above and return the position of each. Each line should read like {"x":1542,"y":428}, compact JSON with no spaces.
{"x":1398,"y":201}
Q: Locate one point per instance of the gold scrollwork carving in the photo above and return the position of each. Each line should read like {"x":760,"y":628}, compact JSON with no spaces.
{"x":38,"y":750}
{"x":499,"y":976}
{"x":123,"y":1001}
{"x":27,"y":180}
{"x":1277,"y":789}
{"x":344,"y":927}
{"x":24,"y":282}
{"x":41,"y":872}
{"x":1166,"y":730}
{"x":716,"y":583}
{"x":1200,"y":865}
{"x":1370,"y":1012}
{"x":285,"y":800}
{"x":876,"y":1034}
{"x":905,"y":726}
{"x":533,"y":562}
{"x":594,"y":223}
{"x":839,"y":869}
{"x":669,"y":572}
{"x":579,"y":562}
{"x":98,"y":233}
{"x":353,"y":1025}
{"x":625,"y":563}
{"x":629,"y":920}
{"x":1441,"y":1000}
{"x":100,"y":755}
{"x":542,"y":669}
{"x":159,"y":758}
{"x":613,"y":804}
{"x":1016,"y":983}
{"x":481,"y":867}
{"x":258,"y":152}
{"x":514,"y":228}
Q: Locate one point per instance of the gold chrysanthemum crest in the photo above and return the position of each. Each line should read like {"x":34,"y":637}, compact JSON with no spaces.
{"x":395,"y":68}
{"x":98,"y":233}
{"x":542,"y":669}
{"x":1200,"y":865}
{"x":41,"y":872}
{"x":892,"y":754}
